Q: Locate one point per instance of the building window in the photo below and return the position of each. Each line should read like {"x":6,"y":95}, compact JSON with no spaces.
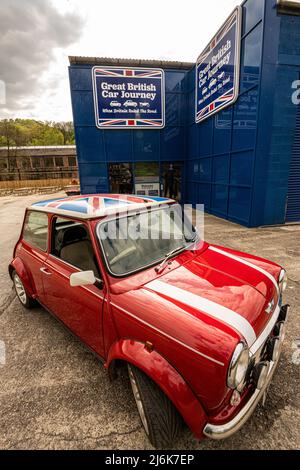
{"x":24,"y":163}
{"x":36,"y":162}
{"x":49,"y":162}
{"x":72,"y":161}
{"x":13,"y":163}
{"x":59,"y":161}
{"x":3,"y":164}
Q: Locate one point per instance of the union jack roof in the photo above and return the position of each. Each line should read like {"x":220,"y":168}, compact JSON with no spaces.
{"x":97,"y":205}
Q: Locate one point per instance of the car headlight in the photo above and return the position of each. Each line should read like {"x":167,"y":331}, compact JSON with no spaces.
{"x":283,"y":280}
{"x":238,"y":366}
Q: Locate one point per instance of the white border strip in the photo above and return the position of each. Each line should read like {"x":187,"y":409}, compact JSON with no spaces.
{"x":238,"y":11}
{"x":163,"y":333}
{"x":163,"y":97}
{"x":224,"y":314}
{"x":247,"y":263}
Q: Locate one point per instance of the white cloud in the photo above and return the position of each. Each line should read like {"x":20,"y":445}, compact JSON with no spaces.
{"x":156,"y":29}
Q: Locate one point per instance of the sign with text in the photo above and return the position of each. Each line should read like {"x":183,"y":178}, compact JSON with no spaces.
{"x":128,"y":98}
{"x":147,"y":189}
{"x":218,"y":69}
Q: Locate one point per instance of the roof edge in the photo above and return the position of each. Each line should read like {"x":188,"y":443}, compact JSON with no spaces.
{"x":169,"y":64}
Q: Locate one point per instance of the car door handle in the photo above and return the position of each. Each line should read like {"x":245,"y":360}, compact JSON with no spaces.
{"x":45,"y":271}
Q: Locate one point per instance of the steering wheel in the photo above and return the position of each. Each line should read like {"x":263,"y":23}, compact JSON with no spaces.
{"x":122,"y":255}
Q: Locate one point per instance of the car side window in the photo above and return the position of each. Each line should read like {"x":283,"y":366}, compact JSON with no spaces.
{"x":71,"y":243}
{"x":35,"y":230}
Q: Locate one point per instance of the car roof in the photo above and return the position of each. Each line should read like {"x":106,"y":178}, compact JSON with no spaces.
{"x":97,"y":205}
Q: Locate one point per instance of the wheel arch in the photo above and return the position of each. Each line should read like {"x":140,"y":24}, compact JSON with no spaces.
{"x":18,"y":266}
{"x":166,"y":377}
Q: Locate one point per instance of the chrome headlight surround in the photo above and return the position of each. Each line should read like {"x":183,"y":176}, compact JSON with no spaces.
{"x":238,"y":366}
{"x":282,"y":281}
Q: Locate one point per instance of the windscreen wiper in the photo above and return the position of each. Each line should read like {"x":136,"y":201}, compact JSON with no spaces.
{"x":159,"y":268}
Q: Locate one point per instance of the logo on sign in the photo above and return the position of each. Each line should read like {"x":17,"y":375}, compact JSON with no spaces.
{"x":217,"y":69}
{"x":128,"y":97}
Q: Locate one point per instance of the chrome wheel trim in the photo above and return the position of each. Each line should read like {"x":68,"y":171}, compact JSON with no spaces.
{"x":20,"y":290}
{"x":138,"y":401}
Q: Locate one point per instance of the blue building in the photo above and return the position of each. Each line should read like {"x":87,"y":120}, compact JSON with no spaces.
{"x":243,"y":162}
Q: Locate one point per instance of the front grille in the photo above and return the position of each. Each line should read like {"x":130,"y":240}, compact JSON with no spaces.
{"x":263,"y":353}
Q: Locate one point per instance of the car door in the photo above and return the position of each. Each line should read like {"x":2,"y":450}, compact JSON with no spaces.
{"x":79,"y":308}
{"x":33,"y":248}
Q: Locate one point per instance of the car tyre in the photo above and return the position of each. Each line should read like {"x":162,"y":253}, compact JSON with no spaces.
{"x":21,"y":292}
{"x":160,"y":419}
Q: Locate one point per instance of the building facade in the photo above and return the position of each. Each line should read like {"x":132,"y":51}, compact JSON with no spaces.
{"x":242,"y":163}
{"x":38,"y":163}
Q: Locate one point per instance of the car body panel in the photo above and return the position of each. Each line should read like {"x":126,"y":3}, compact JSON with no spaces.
{"x":32,"y":259}
{"x":165,"y":375}
{"x":18,"y":265}
{"x":182,"y":339}
{"x":80,"y":309}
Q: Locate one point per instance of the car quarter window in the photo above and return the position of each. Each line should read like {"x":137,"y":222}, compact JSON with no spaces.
{"x":35,"y":230}
{"x":71,"y":243}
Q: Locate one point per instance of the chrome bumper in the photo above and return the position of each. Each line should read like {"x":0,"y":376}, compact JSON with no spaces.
{"x":222,"y":431}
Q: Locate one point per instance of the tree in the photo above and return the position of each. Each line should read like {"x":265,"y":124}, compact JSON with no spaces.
{"x":7,"y":134}
{"x":67,"y":130}
{"x":23,"y":132}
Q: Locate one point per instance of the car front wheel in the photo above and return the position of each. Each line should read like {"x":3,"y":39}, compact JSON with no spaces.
{"x":22,"y":295}
{"x":161,"y":421}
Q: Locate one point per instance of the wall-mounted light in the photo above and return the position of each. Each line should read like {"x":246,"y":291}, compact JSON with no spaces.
{"x":291,"y":7}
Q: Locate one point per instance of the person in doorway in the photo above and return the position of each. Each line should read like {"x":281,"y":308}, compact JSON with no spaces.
{"x":127,"y":181}
{"x":170,"y":183}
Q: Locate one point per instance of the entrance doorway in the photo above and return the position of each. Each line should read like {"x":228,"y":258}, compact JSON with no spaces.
{"x":172,"y":180}
{"x":121,"y":178}
{"x":147,"y":179}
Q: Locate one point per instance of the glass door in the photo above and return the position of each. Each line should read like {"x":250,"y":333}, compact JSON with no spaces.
{"x":121,"y":178}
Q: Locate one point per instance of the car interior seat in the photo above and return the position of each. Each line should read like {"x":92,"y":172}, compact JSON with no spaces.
{"x":77,"y":249}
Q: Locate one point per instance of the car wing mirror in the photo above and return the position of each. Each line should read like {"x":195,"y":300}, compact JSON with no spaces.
{"x":82,"y":278}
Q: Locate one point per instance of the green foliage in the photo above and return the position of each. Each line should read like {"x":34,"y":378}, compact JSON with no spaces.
{"x":28,"y":132}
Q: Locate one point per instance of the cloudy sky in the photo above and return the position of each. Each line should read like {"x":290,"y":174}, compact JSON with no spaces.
{"x":37,"y":36}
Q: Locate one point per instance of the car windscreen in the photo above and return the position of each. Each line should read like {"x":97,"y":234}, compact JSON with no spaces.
{"x":136,"y":241}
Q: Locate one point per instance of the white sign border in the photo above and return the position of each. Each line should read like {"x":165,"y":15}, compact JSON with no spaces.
{"x":238,"y":12}
{"x":129,"y":128}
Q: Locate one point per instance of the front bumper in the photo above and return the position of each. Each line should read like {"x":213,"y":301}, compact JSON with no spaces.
{"x":222,"y":431}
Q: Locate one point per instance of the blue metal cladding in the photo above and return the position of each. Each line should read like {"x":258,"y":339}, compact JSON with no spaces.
{"x":277,"y":117}
{"x":293,"y":203}
{"x":221,"y":165}
{"x":97,"y":148}
{"x":238,"y":162}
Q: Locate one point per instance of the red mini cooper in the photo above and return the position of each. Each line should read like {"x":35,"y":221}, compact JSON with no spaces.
{"x":200,"y":327}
